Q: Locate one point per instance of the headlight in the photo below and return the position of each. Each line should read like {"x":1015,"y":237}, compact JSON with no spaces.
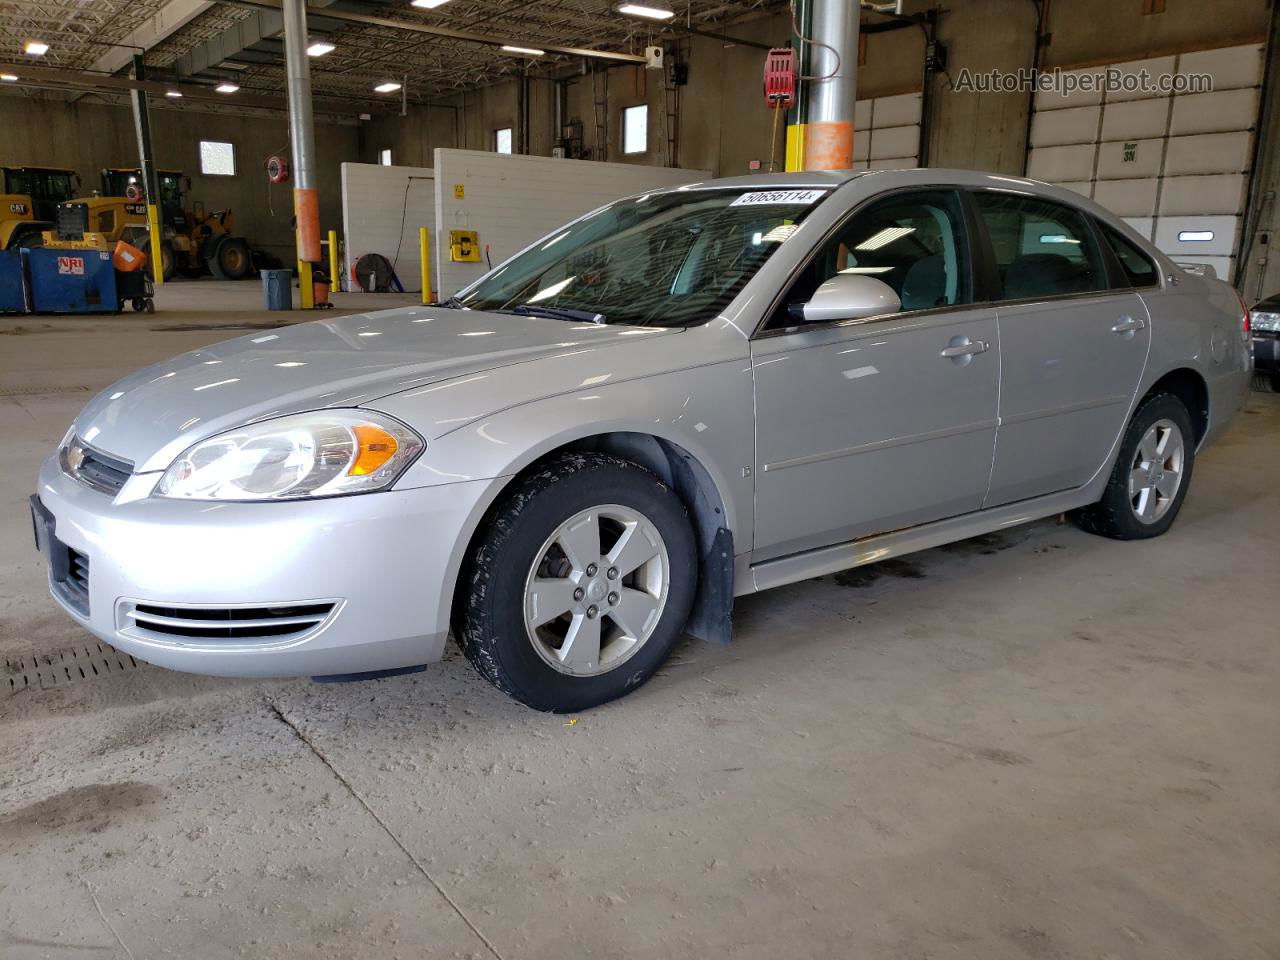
{"x":322,"y":454}
{"x":1270,"y":322}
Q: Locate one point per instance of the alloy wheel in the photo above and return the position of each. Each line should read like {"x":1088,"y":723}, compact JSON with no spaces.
{"x":1155,"y":477}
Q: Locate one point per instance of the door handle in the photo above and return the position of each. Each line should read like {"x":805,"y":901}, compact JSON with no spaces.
{"x":1128,"y":325}
{"x":964,"y":347}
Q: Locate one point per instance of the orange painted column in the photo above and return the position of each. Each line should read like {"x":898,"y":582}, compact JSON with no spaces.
{"x":306,"y":207}
{"x":828,"y":146}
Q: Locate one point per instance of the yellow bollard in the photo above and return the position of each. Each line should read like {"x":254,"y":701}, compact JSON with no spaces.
{"x":424,"y":251}
{"x":334,"y":280}
{"x":307,"y":290}
{"x":157,"y":252}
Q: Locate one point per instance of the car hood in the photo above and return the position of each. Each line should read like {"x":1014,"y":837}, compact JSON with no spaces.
{"x":151,"y":416}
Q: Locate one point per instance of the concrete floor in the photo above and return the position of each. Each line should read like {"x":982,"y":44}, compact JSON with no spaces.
{"x":1038,"y":744}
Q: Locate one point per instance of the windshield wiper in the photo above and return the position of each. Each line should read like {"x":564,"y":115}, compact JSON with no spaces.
{"x":556,"y":313}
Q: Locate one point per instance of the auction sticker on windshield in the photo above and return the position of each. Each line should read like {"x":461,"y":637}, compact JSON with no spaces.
{"x":799,"y":197}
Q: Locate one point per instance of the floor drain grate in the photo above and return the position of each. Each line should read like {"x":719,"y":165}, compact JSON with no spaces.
{"x":61,"y":667}
{"x":39,"y":391}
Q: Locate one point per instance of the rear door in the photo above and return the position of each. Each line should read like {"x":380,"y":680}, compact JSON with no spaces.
{"x":1074,"y":338}
{"x":870,"y":425}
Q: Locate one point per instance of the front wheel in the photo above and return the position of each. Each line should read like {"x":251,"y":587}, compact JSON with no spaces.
{"x":580,"y":584}
{"x":1151,"y":475}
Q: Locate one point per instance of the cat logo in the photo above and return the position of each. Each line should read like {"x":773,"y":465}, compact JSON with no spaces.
{"x":136,"y":209}
{"x":17,"y":208}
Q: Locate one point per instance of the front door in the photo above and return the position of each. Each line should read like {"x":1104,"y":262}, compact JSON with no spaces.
{"x":1072,"y":349}
{"x":874,"y":425}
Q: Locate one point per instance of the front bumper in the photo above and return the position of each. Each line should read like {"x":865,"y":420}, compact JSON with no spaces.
{"x":384,"y":561}
{"x":1266,"y":353}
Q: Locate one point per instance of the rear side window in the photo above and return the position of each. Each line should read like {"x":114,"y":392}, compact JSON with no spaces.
{"x":1041,"y":248}
{"x":1138,"y":267}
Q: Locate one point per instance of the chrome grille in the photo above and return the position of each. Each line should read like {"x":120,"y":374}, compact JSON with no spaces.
{"x":224,"y":623}
{"x":92,"y":467}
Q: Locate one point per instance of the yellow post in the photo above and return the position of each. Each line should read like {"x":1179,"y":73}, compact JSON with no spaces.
{"x":156,"y":251}
{"x":424,"y":251}
{"x":334,"y":285}
{"x":304,"y":282}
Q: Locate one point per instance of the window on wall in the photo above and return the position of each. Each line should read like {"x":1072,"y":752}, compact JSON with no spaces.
{"x":217,"y":159}
{"x":384,"y":156}
{"x":635,"y":129}
{"x":502,"y":140}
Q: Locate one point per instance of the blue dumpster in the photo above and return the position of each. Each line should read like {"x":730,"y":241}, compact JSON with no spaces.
{"x":13,"y":287}
{"x":277,"y":289}
{"x":72,"y":281}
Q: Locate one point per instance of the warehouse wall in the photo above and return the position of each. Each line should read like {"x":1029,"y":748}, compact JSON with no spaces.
{"x":89,"y":136}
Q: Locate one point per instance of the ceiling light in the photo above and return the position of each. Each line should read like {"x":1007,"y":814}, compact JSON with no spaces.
{"x":389,"y":87}
{"x":644,"y":10}
{"x":8,"y":77}
{"x":318,"y":48}
{"x":35,"y":48}
{"x":226,"y":86}
{"x":427,"y":4}
{"x":175,"y":94}
{"x":527,"y":51}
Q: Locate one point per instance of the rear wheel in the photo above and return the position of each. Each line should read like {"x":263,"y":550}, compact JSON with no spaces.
{"x":28,"y":237}
{"x":1151,"y":475}
{"x":230,"y":261}
{"x":580,"y":585}
{"x":168,"y":263}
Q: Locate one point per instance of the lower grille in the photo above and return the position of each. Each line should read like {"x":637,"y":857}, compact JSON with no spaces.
{"x":224,"y":623}
{"x":74,"y":589}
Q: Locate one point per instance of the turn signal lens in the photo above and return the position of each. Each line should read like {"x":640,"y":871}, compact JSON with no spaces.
{"x":375,"y":447}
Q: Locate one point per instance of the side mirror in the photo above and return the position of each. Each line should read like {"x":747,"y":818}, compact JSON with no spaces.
{"x":850,"y":296}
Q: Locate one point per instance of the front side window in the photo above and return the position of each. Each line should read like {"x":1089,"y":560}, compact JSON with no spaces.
{"x":1137,"y":266}
{"x":665,"y":259}
{"x":914,"y":242}
{"x":1041,"y":248}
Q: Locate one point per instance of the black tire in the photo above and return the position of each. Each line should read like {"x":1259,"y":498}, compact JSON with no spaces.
{"x":231,"y":259}
{"x":1114,"y":515}
{"x":29,"y":237}
{"x":168,"y":261}
{"x":489,"y":610}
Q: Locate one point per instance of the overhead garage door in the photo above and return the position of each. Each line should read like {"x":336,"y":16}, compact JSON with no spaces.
{"x":1175,"y":167}
{"x":887,"y":132}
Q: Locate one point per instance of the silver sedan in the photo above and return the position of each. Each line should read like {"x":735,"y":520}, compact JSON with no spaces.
{"x":679,"y":398}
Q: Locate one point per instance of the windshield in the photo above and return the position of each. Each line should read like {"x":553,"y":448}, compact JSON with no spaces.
{"x":666,"y":259}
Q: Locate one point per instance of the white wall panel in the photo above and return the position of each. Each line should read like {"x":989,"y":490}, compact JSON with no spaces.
{"x":511,"y":201}
{"x":1116,"y":162}
{"x":1062,"y":164}
{"x":861,"y":144}
{"x":1229,"y":66}
{"x":1216,"y":112}
{"x":382,"y":210}
{"x":1135,"y":119}
{"x":1142,"y":225}
{"x":1128,"y":198}
{"x":1222,"y":243}
{"x":862,"y":115}
{"x":1209,"y":153}
{"x":1052,"y":100}
{"x":1129,"y":70}
{"x":1192,"y":196}
{"x":1057,"y":127}
{"x":896,"y":111}
{"x":895,"y":142}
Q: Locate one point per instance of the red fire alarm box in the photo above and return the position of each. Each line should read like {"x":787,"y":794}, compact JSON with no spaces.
{"x":780,"y":78}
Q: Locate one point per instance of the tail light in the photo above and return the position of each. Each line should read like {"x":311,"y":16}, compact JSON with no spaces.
{"x":1248,"y":317}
